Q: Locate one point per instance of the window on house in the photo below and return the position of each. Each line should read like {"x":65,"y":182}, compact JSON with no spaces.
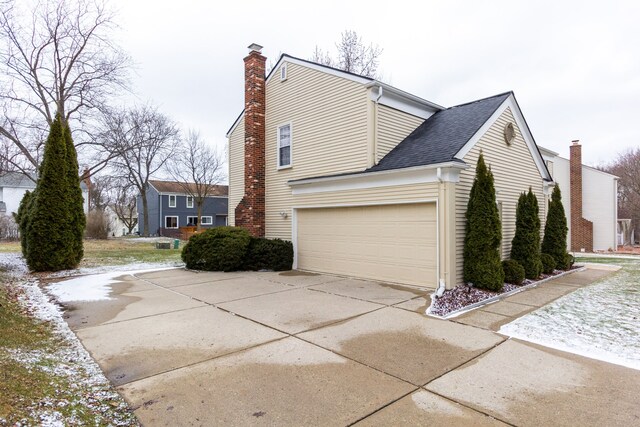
{"x":284,"y":146}
{"x":172,"y":201}
{"x":170,"y":222}
{"x":193,"y":220}
{"x":189,"y":201}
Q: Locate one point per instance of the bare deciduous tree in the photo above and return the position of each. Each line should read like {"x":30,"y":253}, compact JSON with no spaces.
{"x":123,"y":203}
{"x":198,"y":169}
{"x":143,"y":139}
{"x":56,"y":57}
{"x":352,"y":55}
{"x":627,"y":167}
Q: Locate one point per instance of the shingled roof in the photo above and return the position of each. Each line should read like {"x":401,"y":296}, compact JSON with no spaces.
{"x":441,"y":136}
{"x":178,"y":188}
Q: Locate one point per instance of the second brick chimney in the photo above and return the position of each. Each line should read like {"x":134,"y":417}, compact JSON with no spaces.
{"x":581,"y":229}
{"x":250,"y":212}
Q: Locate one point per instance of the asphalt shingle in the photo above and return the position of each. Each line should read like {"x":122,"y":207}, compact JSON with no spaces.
{"x":441,"y":136}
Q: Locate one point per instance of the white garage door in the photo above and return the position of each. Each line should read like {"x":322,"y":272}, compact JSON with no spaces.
{"x":395,"y":243}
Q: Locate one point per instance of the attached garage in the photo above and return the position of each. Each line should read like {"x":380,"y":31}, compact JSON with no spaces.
{"x":395,"y":243}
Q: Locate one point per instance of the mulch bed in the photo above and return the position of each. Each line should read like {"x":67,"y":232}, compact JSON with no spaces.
{"x":464,"y":295}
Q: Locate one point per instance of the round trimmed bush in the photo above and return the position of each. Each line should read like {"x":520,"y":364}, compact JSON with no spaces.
{"x":217,"y":249}
{"x":513,"y":272}
{"x":269,"y":254}
{"x":548,"y":263}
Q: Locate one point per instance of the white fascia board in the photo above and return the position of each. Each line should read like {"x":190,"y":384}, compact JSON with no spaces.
{"x":235,"y":124}
{"x":524,"y":129}
{"x":449,"y":172}
{"x":547,"y":152}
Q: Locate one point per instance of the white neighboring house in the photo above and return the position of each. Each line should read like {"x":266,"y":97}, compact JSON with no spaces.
{"x":590,"y":190}
{"x":13,"y":185}
{"x":117,"y":227}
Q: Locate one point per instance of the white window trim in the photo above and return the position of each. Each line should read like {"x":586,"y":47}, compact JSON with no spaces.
{"x":206,"y":223}
{"x":175,"y":201}
{"x":290,"y":146}
{"x":189,"y":199}
{"x":283,"y":72}
{"x":177,"y":221}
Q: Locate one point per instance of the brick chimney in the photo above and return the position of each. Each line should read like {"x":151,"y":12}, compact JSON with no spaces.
{"x":250,"y":212}
{"x":581,"y":229}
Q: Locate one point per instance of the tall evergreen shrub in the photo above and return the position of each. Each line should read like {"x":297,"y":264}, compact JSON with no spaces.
{"x":525,"y":246}
{"x":77,"y":218}
{"x":482,"y":265}
{"x":51,"y":236}
{"x":554,"y":242}
{"x":22,"y":219}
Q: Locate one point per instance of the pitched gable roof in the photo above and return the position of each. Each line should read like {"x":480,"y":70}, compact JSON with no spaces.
{"x":441,"y":136}
{"x":178,"y":188}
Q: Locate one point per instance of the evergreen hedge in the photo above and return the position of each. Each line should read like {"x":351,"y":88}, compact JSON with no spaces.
{"x":554,"y":242}
{"x":269,"y":254}
{"x":217,"y":249}
{"x":482,"y":266}
{"x":513,"y":272}
{"x":548,"y":263}
{"x":525,"y":246}
{"x":233,"y":248}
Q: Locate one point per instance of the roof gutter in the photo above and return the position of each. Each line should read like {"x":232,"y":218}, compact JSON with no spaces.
{"x":437,"y":166}
{"x":405,"y":95}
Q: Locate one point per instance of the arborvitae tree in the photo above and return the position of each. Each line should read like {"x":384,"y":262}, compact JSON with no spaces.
{"x":22,"y":219}
{"x":482,"y":265}
{"x":50,"y":242}
{"x":525,"y":246}
{"x":554,"y":242}
{"x":75,"y":201}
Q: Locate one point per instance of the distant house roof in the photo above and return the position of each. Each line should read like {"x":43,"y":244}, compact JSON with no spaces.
{"x":178,"y":188}
{"x":439,"y":138}
{"x":21,"y":180}
{"x":16,"y":180}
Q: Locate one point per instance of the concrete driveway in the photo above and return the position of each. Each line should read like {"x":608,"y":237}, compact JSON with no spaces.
{"x":292,"y":348}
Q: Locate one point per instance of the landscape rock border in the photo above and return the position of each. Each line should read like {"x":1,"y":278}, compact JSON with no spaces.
{"x":470,"y":307}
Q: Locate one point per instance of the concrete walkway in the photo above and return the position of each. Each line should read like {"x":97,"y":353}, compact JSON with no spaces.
{"x":188,"y":348}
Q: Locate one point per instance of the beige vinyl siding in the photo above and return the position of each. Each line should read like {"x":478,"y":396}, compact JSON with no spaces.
{"x":393,"y":127}
{"x":514,"y":171}
{"x":236,"y":170}
{"x":329,"y":120}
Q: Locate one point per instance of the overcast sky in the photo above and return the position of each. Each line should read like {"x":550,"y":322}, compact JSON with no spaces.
{"x":574,"y":66}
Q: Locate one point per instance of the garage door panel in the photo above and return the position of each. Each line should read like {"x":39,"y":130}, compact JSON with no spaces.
{"x":390,"y":242}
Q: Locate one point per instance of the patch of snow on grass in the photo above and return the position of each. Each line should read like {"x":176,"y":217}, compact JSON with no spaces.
{"x":95,"y":287}
{"x":69,"y":360}
{"x":13,"y":263}
{"x":601,"y":321}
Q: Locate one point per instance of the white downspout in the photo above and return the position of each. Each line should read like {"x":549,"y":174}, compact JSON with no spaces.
{"x":441,"y":283}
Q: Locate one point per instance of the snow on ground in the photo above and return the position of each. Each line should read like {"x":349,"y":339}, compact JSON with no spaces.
{"x":95,"y":287}
{"x":601,"y":321}
{"x":71,"y":361}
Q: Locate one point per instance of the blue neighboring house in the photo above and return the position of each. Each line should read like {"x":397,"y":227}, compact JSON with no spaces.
{"x":170,"y":208}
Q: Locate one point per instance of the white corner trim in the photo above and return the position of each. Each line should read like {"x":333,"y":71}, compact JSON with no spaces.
{"x":450,"y":172}
{"x":524,"y":130}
